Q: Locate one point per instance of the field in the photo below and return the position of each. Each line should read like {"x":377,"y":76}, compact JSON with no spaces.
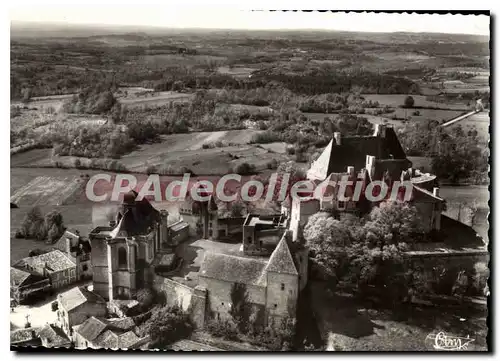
{"x":153,"y":99}
{"x":186,"y":150}
{"x":397,"y":100}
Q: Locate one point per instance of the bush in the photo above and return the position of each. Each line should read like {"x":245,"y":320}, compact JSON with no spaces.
{"x":225,"y":329}
{"x":152,"y":169}
{"x":409,"y":102}
{"x":77,"y":163}
{"x":272,"y":164}
{"x":245,"y":169}
{"x":145,"y":297}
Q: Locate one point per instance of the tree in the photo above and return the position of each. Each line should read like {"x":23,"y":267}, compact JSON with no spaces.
{"x":54,"y":225}
{"x":167,"y":325}
{"x":33,"y":225}
{"x":240,"y":306}
{"x":145,"y":297}
{"x":27,"y":95}
{"x":409,"y":102}
{"x":36,"y":252}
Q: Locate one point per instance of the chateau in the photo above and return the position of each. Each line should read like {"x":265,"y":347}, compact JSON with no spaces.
{"x":271,"y":262}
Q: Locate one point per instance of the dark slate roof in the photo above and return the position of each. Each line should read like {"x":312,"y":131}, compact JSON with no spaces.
{"x":91,"y":328}
{"x":77,"y":296}
{"x":353,"y":150}
{"x":281,"y":260}
{"x":246,"y":270}
{"x":390,"y":167}
{"x":53,"y":336}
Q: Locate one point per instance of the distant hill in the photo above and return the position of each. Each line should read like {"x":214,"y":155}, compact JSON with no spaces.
{"x":129,"y":32}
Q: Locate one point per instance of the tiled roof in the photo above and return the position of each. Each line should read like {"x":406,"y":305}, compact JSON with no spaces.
{"x":24,"y":335}
{"x":122,"y":324}
{"x":281,"y":260}
{"x":54,"y":261}
{"x":78,"y":296}
{"x":17,"y":276}
{"x":127,"y":339}
{"x":53,"y":336}
{"x":246,"y":270}
{"x":107,"y":339}
{"x":91,"y":328}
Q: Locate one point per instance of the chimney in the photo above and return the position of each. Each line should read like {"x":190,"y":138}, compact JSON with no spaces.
{"x":337,"y":138}
{"x":350,"y":170}
{"x":435,"y":191}
{"x":379,"y":130}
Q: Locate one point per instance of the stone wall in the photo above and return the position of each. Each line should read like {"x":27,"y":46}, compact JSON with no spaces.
{"x":192,"y":300}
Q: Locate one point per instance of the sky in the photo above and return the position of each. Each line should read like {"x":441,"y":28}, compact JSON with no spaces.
{"x":224,"y":17}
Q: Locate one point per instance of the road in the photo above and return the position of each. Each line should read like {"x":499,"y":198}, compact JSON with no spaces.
{"x":459,"y":118}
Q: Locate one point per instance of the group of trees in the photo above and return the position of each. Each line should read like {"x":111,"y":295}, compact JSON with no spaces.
{"x":36,"y":225}
{"x":366,"y":253}
{"x":457,"y":155}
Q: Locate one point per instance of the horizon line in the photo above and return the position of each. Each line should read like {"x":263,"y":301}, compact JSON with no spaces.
{"x":172,"y":27}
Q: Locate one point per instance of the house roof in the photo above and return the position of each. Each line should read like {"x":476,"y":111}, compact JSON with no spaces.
{"x":17,"y":276}
{"x":53,"y":261}
{"x":281,"y":260}
{"x":107,"y":339}
{"x":77,"y":296}
{"x":122,"y":324}
{"x":353,"y":150}
{"x":424,"y":195}
{"x":78,"y":245}
{"x":53,"y":336}
{"x":246,"y":270}
{"x":24,"y":335}
{"x":91,"y":328}
{"x":127,"y":339}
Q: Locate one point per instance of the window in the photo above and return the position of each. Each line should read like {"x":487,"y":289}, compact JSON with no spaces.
{"x":84,"y":268}
{"x":249,"y":239}
{"x":222,"y":303}
{"x":275,"y":305}
{"x":341,"y":205}
{"x":282,"y":286}
{"x":122,"y":257}
{"x":209,"y":225}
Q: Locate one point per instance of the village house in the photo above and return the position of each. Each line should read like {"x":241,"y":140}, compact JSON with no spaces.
{"x":212,"y":219}
{"x":55,"y":265}
{"x":25,"y":337}
{"x":113,"y":334}
{"x":76,"y":305}
{"x":53,"y":336}
{"x":78,"y":249}
{"x":24,"y":284}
